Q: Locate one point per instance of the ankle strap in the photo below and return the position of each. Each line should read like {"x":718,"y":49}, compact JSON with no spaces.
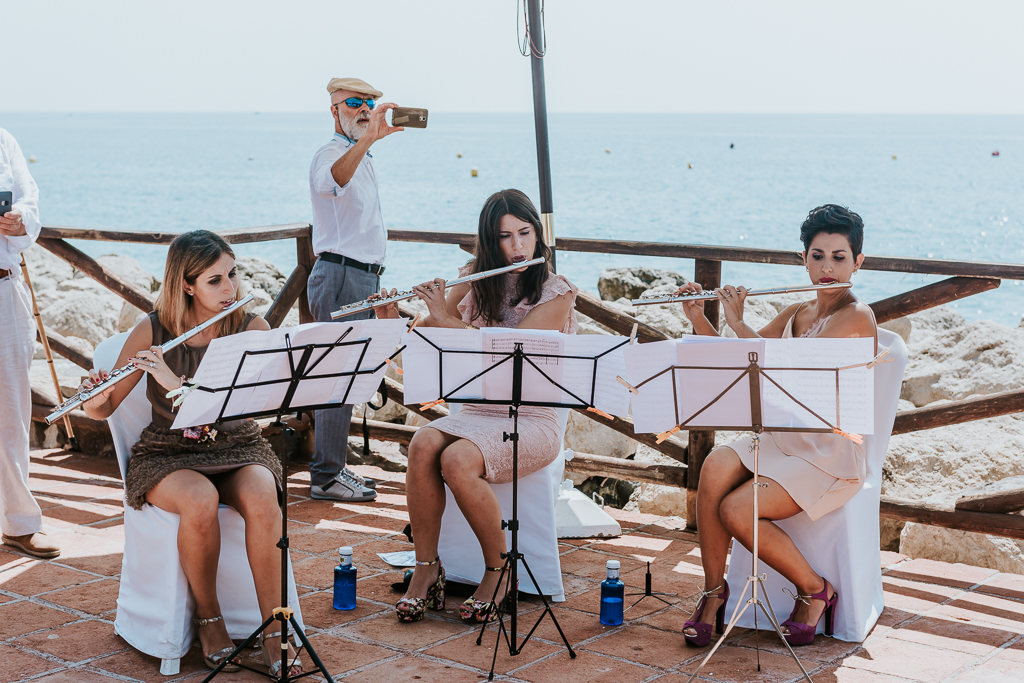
{"x":427,"y":564}
{"x":206,"y":622}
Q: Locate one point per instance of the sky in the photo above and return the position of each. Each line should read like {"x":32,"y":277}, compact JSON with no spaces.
{"x":785,"y":56}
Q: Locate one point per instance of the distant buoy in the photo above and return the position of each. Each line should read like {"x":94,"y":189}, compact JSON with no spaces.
{"x":458,"y":156}
{"x":995,"y":154}
{"x":607,"y":151}
{"x":689,"y":166}
{"x":731,"y":145}
{"x":472,"y":172}
{"x":251,"y":158}
{"x":33,"y":160}
{"x":894,"y":157}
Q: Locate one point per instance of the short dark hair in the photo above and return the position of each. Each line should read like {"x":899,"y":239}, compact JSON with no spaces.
{"x":833,"y":219}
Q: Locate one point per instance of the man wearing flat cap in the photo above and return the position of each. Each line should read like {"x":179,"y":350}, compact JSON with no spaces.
{"x":350,"y":241}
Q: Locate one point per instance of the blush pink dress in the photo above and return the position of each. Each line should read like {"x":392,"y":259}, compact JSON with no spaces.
{"x":821,"y":472}
{"x":540,"y":434}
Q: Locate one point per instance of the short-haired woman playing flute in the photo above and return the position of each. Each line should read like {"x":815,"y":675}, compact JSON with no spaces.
{"x":813,"y":473}
{"x":190,"y":472}
{"x":466,"y":451}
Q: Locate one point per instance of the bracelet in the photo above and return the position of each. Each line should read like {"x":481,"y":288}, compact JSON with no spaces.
{"x":469,"y":327}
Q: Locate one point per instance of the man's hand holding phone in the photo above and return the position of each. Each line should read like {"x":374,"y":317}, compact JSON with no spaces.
{"x":378,"y":126}
{"x":11,"y":223}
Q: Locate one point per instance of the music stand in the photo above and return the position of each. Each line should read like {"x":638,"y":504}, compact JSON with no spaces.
{"x":299,"y":370}
{"x":754,"y":372}
{"x":518,"y":357}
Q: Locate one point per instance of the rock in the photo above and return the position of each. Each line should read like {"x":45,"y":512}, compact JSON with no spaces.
{"x":630,"y":283}
{"x":980,"y":550}
{"x":587,"y":436}
{"x":901,"y":326}
{"x":937,"y":319}
{"x":129,"y":317}
{"x":667,"y":501}
{"x":259,"y":273}
{"x":129,"y":269}
{"x":980,"y":357}
{"x":615,"y":492}
{"x":82,"y":314}
{"x":384,"y":455}
{"x":47,"y":272}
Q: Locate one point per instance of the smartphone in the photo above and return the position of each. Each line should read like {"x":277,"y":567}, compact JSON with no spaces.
{"x":409,"y":117}
{"x":6,"y":202}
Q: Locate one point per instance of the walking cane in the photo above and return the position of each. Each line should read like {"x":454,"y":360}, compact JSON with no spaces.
{"x":49,"y":355}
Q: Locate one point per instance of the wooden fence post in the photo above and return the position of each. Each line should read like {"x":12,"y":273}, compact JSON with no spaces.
{"x":709,"y":275}
{"x":305,"y":258}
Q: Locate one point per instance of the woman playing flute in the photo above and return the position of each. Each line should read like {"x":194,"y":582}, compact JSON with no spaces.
{"x":466,"y":451}
{"x":813,"y":473}
{"x":190,"y":472}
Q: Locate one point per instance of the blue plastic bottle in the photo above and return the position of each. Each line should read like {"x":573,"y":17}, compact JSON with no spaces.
{"x":612,"y":590}
{"x":345,"y":581}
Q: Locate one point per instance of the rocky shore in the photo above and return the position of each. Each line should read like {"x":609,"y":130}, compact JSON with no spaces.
{"x":950,"y":359}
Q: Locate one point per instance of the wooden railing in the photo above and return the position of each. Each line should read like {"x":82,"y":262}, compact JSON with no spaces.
{"x":965,"y":278}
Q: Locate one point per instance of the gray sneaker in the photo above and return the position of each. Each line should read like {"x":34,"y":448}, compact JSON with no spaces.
{"x":343,"y":488}
{"x":362,"y":481}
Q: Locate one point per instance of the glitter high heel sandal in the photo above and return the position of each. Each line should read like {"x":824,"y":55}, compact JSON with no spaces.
{"x":415,"y":608}
{"x":479,"y":611}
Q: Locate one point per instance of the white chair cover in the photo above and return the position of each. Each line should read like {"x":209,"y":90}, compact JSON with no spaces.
{"x":843,"y":545}
{"x":154,"y":604}
{"x":460,"y":552}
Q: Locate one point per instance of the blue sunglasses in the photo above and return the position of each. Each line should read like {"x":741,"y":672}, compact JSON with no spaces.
{"x":355,"y":102}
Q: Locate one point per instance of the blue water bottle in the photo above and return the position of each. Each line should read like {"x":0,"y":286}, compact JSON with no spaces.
{"x":345,"y":581}
{"x":612,"y":590}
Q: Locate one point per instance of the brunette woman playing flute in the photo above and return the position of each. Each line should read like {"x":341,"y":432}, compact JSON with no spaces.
{"x":190,"y":472}
{"x":466,"y":450}
{"x":812,"y":473}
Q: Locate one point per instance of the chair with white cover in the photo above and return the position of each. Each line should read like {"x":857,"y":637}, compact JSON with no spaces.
{"x":460,"y":551}
{"x":842,"y":545}
{"x":154,"y":603}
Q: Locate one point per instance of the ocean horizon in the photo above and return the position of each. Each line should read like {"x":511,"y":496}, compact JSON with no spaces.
{"x":926,"y":185}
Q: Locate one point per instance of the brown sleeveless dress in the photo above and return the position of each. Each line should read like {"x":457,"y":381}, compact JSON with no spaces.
{"x":161,"y":450}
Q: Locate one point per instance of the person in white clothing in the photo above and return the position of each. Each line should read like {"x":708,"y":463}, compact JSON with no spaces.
{"x":22,"y":520}
{"x":350,"y":241}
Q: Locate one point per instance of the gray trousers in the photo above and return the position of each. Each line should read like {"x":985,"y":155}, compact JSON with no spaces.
{"x":331,"y":286}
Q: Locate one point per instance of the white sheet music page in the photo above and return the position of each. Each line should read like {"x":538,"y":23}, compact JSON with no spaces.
{"x":721,"y":362}
{"x":578,"y":376}
{"x":384,"y":336}
{"x":540,"y":373}
{"x":220,"y":362}
{"x":817,"y":389}
{"x":420,"y":361}
{"x":654,"y":407}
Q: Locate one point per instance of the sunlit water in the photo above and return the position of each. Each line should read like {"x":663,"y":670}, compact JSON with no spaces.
{"x":943,"y":196}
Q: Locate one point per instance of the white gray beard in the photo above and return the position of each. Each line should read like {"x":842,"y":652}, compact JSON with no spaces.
{"x":354,"y":130}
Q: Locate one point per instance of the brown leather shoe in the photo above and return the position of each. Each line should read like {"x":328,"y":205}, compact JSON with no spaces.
{"x":35,"y":544}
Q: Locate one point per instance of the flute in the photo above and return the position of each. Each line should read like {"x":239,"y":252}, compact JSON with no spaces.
{"x":711,"y":296}
{"x":129,"y":369}
{"x":360,"y":306}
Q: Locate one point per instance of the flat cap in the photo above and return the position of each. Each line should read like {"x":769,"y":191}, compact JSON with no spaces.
{"x":355,"y":85}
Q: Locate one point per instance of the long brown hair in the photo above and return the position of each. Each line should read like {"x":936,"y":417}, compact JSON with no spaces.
{"x":490,"y":293}
{"x":190,"y":254}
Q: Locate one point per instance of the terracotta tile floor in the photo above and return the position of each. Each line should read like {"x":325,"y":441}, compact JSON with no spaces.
{"x":942,"y":622}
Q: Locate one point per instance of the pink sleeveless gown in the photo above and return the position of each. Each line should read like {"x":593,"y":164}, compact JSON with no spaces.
{"x":820,"y":471}
{"x":539,"y":432}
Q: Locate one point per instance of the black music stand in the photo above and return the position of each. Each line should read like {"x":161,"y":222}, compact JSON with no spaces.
{"x":300,"y":370}
{"x":512,"y":558}
{"x":753,"y":372}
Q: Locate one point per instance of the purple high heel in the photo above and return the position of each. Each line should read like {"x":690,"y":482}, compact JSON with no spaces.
{"x":704,"y":631}
{"x":803,"y":634}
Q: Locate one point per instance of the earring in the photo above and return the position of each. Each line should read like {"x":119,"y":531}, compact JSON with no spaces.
{"x":189,"y":293}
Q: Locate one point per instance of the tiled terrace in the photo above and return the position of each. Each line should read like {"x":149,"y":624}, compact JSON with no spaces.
{"x":941,"y":623}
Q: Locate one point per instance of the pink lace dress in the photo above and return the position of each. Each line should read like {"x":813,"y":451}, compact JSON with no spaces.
{"x":539,"y":431}
{"x":820,"y":471}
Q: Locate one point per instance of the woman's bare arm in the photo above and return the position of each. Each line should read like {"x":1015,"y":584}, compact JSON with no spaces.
{"x":550,"y":315}
{"x":140,"y":339}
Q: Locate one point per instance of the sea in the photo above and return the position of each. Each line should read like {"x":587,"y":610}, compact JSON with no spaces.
{"x":927,"y":186}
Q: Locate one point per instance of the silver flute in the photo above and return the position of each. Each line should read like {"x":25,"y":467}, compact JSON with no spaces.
{"x":129,"y":369}
{"x":360,"y":306}
{"x":711,"y":296}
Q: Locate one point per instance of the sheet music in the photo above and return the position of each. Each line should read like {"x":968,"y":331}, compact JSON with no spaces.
{"x":538,"y":382}
{"x":578,"y":375}
{"x":817,"y":390}
{"x":420,"y":362}
{"x":224,"y":354}
{"x":653,"y":408}
{"x":699,"y":390}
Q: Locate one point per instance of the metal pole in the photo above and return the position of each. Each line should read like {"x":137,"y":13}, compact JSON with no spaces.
{"x":540,"y":118}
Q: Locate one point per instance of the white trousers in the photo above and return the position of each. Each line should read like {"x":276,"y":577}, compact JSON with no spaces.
{"x":21,"y":513}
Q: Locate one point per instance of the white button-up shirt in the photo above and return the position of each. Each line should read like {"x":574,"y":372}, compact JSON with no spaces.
{"x":14,"y":177}
{"x":346,"y":220}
